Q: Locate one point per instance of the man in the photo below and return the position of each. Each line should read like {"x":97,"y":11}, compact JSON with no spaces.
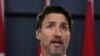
{"x":53,"y":31}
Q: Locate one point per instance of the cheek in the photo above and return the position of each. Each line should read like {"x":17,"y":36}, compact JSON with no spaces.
{"x":66,"y":38}
{"x":46,"y":36}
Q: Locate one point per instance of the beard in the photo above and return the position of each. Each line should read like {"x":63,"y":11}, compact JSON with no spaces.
{"x":53,"y":51}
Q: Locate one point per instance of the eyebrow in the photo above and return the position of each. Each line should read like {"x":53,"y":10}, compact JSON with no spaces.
{"x":50,"y":22}
{"x":63,"y":23}
{"x":53,"y":22}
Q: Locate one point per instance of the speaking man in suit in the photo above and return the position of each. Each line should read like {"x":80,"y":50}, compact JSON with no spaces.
{"x":53,"y":31}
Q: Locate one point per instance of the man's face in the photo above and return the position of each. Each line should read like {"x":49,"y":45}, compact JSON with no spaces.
{"x":54,"y":35}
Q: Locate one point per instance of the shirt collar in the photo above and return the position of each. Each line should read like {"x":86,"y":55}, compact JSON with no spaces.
{"x":41,"y":55}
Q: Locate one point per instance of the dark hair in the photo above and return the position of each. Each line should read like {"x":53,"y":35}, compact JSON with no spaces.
{"x":53,"y":9}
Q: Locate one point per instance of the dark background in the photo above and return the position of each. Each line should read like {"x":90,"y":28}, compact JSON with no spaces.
{"x":20,"y":22}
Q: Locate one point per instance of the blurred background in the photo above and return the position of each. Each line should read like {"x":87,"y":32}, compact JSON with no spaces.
{"x":20,"y":23}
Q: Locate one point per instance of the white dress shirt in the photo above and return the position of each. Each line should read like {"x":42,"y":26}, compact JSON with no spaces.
{"x":41,"y":55}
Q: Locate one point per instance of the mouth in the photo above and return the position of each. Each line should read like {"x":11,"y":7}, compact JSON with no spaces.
{"x":57,"y":44}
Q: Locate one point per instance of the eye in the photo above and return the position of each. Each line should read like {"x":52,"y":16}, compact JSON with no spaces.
{"x":64,"y":27}
{"x":49,"y":26}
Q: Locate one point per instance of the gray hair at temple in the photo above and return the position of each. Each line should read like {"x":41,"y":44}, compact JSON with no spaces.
{"x":53,"y":9}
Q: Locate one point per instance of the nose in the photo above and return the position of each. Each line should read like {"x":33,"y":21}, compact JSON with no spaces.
{"x":58,"y":32}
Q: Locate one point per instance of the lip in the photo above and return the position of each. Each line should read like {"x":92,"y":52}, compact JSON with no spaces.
{"x":57,"y":45}
{"x":59,"y":42}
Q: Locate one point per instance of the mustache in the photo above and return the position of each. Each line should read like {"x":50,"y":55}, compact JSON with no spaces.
{"x":57,"y":40}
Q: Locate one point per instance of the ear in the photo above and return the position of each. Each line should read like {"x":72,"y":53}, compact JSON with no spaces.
{"x":38,"y":35}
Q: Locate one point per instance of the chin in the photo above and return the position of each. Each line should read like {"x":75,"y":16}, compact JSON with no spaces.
{"x":56,"y":51}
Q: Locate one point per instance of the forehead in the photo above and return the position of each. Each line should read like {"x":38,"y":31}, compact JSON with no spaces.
{"x":55,"y":17}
